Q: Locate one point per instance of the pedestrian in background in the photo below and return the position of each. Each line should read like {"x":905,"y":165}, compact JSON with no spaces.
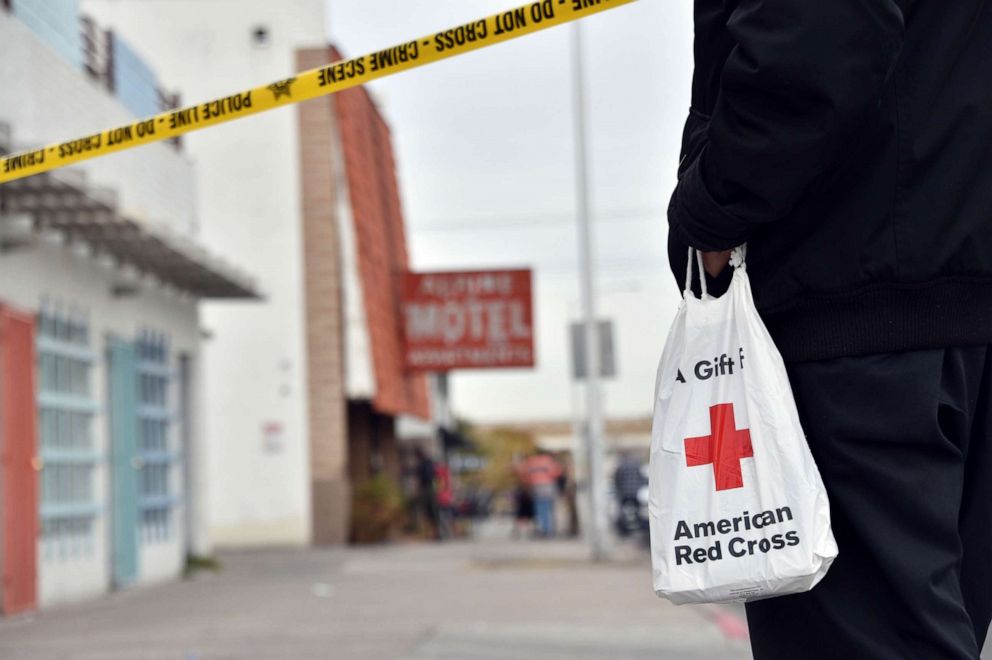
{"x":848,"y":143}
{"x":570,"y":497}
{"x":445,"y":497}
{"x":523,"y":504}
{"x":628,"y":479}
{"x":541,"y":472}
{"x":426,"y":495}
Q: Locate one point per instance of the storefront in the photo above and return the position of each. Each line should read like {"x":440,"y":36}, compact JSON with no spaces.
{"x":100,"y":346}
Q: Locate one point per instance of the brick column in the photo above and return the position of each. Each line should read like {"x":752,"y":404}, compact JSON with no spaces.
{"x":330,"y":488}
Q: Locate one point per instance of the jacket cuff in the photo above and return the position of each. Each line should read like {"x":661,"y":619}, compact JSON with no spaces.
{"x":696,"y":219}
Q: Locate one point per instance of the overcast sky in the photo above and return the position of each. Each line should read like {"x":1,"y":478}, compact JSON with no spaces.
{"x":485,"y":150}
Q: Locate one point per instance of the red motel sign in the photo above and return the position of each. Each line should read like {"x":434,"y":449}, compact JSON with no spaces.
{"x":468,"y":320}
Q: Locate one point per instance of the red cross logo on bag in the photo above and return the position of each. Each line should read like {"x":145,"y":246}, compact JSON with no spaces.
{"x":723,"y":449}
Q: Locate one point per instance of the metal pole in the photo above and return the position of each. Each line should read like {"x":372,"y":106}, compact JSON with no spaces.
{"x":594,"y":418}
{"x":443,"y":420}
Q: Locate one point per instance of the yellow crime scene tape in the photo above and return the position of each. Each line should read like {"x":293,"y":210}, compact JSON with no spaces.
{"x":310,"y":84}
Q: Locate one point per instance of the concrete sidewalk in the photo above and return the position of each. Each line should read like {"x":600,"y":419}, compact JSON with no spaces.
{"x":492,"y":598}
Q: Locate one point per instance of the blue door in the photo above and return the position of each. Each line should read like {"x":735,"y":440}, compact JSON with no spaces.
{"x":124,"y":459}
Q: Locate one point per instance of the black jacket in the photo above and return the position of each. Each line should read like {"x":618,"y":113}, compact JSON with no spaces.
{"x":849,"y":143}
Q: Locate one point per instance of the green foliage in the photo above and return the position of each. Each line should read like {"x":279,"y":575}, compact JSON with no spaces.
{"x":377,"y":508}
{"x":501,"y":447}
{"x":195,"y":563}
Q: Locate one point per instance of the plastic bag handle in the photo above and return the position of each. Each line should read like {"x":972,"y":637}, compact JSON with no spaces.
{"x":738,"y":257}
{"x":688,"y":274}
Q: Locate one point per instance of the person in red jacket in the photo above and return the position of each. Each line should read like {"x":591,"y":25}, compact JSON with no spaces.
{"x":444,"y":496}
{"x":540,"y":472}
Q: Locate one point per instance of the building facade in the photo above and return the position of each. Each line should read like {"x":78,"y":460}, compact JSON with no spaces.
{"x":101,"y":411}
{"x":248,"y":194}
{"x":355,"y":254}
{"x":292,"y":193}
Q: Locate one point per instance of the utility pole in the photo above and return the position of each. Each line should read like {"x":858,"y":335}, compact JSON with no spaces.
{"x":592,"y":429}
{"x":442,"y":420}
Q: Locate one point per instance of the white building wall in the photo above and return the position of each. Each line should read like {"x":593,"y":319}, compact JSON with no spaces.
{"x":249,"y":192}
{"x":67,"y":276}
{"x":45,"y":100}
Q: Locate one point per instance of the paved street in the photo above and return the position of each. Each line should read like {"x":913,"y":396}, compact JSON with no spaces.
{"x":490,"y":599}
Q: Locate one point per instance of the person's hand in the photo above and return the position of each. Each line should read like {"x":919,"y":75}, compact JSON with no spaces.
{"x":715,"y":262}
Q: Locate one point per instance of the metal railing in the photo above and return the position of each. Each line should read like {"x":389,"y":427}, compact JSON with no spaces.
{"x":100,"y":64}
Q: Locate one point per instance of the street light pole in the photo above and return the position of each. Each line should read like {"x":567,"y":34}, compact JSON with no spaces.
{"x":593,"y":427}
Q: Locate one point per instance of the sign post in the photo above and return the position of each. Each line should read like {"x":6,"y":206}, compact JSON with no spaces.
{"x":593,"y":427}
{"x":606,"y":350}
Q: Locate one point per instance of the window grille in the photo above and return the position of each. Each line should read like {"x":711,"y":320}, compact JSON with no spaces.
{"x":155,"y":445}
{"x":65,"y":419}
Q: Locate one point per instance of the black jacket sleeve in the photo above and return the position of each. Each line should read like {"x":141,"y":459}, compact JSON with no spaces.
{"x":793,"y":90}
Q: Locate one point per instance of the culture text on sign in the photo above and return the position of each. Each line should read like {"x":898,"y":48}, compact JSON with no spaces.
{"x":469,"y":284}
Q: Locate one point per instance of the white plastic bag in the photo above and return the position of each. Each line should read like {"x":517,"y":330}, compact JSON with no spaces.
{"x":737,"y":508}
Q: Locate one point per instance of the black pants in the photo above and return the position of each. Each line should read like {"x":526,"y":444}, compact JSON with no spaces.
{"x":904,"y":444}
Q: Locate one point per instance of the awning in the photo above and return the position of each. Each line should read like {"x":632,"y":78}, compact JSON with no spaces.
{"x":455,"y":440}
{"x":61,"y":201}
